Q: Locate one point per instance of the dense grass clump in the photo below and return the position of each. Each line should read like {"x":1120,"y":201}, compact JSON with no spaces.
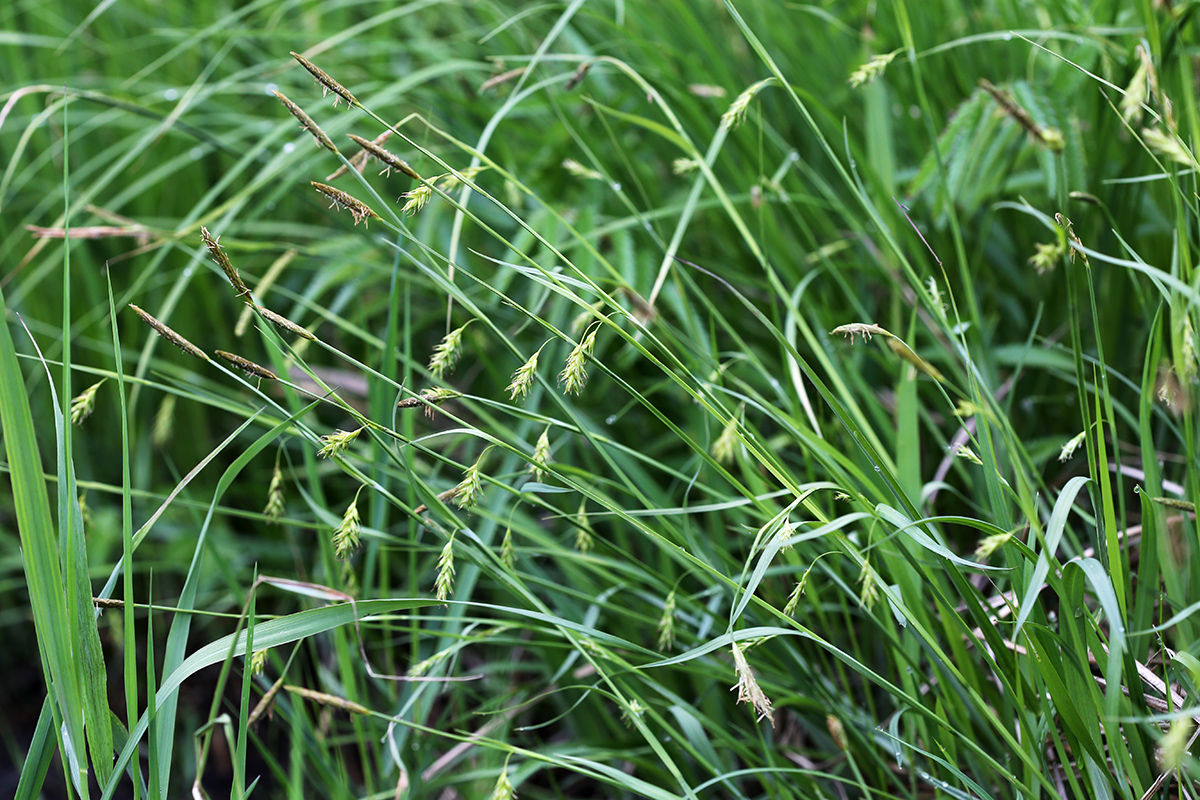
{"x":616,"y":399}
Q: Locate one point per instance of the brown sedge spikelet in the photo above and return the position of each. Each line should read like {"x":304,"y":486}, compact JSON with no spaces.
{"x":307,"y":123}
{"x":428,"y":399}
{"x":330,"y":700}
{"x":359,"y":160}
{"x":578,"y":77}
{"x":390,"y":160}
{"x":503,"y":77}
{"x":170,"y":335}
{"x":283,"y":322}
{"x":357,"y":208}
{"x":1052,"y":138}
{"x":218,"y":254}
{"x":247,"y":366}
{"x":328,"y":84}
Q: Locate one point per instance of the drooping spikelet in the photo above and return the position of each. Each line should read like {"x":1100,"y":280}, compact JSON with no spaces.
{"x":357,"y":208}
{"x":522,"y":379}
{"x":446,"y":353}
{"x":307,"y":123}
{"x":83,"y":405}
{"x":737,"y":109}
{"x":871,"y":70}
{"x":328,"y":84}
{"x":170,"y":335}
{"x":574,"y":375}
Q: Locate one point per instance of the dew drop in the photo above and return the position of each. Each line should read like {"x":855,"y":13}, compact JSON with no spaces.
{"x":196,"y":153}
{"x":611,"y":419}
{"x":1007,"y":37}
{"x":289,"y":147}
{"x":271,"y":88}
{"x":616,"y":187}
{"x":171,"y":94}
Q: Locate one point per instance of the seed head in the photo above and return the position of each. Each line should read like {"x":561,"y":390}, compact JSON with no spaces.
{"x":164,"y":420}
{"x":580,"y":73}
{"x":574,"y":375}
{"x":347,"y":534}
{"x":1046,"y":256}
{"x":428,"y":399}
{"x":357,"y":208}
{"x":328,"y":84}
{"x":218,"y":254}
{"x":336,"y":442}
{"x":83,"y":405}
{"x":748,"y":689}
{"x":389,"y":160}
{"x":274,"y":510}
{"x":864,"y":329}
{"x":871,"y":70}
{"x":990,"y":544}
{"x":469,"y":490}
{"x":170,"y":335}
{"x":359,"y":159}
{"x":682,"y":166}
{"x":445,"y":572}
{"x":541,"y":455}
{"x":508,"y":553}
{"x":967,"y":454}
{"x":416,"y":199}
{"x":446,"y":353}
{"x":584,"y":535}
{"x":504,"y":789}
{"x":247,"y":366}
{"x":1071,"y":446}
{"x":283,"y":322}
{"x":737,"y":110}
{"x":522,"y":379}
{"x":307,"y":123}
{"x":725,"y":446}
{"x":503,"y":77}
{"x":869,"y":594}
{"x":580,"y":171}
{"x":666,"y":624}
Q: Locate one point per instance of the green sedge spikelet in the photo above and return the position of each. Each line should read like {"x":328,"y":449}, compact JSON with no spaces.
{"x":84,"y":404}
{"x":335,"y":443}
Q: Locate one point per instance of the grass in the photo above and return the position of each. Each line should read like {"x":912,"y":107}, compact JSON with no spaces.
{"x":686,"y":347}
